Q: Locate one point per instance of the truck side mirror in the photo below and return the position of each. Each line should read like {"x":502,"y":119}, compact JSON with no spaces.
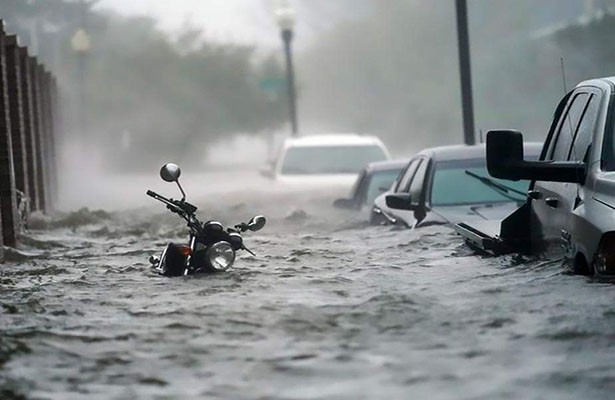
{"x":400,"y":201}
{"x":505,"y":161}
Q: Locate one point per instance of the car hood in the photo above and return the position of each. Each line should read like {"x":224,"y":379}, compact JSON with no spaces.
{"x":478,"y":212}
{"x":451,"y":214}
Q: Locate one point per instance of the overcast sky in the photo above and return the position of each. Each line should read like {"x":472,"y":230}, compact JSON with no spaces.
{"x":246,"y":21}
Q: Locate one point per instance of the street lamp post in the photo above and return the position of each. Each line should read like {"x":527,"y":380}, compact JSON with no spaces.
{"x":285,"y":16}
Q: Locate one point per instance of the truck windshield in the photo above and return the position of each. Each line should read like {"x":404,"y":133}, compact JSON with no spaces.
{"x":452,"y":185}
{"x":330,"y":159}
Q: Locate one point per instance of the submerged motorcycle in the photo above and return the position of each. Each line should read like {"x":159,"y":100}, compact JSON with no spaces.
{"x":211,"y":248}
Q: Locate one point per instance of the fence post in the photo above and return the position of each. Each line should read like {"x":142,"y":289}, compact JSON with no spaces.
{"x":8,"y":199}
{"x":1,"y":235}
{"x":51,"y":138}
{"x":29,"y":130}
{"x":56,"y":126}
{"x":42,"y":131}
{"x":20,"y":162}
{"x":47,"y":131}
{"x":38,"y":132}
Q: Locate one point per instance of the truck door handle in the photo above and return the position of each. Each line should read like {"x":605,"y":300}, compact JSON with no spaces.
{"x":534,"y":194}
{"x":551,"y":202}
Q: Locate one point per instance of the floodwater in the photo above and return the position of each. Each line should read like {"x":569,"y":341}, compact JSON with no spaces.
{"x":329,"y":308}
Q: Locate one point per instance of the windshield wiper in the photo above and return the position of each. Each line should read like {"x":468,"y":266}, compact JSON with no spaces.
{"x":500,"y":187}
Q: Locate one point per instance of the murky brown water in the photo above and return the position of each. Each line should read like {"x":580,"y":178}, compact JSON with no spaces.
{"x":329,"y":308}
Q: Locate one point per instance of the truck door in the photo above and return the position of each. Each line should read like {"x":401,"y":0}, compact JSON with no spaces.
{"x":401,"y":185}
{"x":407,"y":185}
{"x":554,"y":202}
{"x":417,"y":192}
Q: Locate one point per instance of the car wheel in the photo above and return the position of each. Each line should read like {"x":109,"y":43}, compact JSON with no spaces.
{"x":604,"y":260}
{"x":580,"y":266}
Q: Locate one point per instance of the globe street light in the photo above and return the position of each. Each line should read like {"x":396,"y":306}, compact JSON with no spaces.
{"x":80,"y":41}
{"x":285,"y":17}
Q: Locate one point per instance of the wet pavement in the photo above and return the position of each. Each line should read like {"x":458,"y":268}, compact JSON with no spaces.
{"x":329,"y":308}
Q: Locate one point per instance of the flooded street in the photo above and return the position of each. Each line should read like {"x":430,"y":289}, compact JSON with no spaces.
{"x":329,"y":308}
{"x":434,"y":111}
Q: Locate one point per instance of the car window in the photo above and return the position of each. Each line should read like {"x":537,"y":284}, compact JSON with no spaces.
{"x":452,"y":185}
{"x":359,"y":185}
{"x":329,"y":159}
{"x":555,"y":120}
{"x":380,"y":180}
{"x":397,"y":180}
{"x":560,"y":148}
{"x":404,"y":182}
{"x":585,"y":131}
{"x":400,"y":176}
{"x":416,"y":186}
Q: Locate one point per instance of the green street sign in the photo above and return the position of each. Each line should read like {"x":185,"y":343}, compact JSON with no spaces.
{"x":272,"y":84}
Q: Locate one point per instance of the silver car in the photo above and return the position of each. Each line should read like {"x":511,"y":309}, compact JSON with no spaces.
{"x":448,"y":184}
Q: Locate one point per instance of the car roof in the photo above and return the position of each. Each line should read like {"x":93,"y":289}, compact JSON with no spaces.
{"x":347,"y":139}
{"x":598,"y":82}
{"x":386,"y":165}
{"x":465,"y":152}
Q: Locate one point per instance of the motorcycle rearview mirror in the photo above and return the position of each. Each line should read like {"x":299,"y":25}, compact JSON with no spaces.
{"x":257,"y":223}
{"x":170,"y":173}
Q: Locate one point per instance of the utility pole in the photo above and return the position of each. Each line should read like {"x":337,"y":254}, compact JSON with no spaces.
{"x":465,"y":72}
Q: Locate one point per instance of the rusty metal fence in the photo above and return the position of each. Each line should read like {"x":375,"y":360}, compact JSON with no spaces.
{"x":28,"y":124}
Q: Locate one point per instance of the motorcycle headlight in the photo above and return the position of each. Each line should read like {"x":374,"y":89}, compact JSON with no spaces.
{"x":220,"y":256}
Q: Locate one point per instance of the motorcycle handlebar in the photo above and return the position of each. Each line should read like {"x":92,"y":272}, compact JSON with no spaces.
{"x":159,"y":197}
{"x":175,"y":204}
{"x":155,"y":195}
{"x":163,"y":199}
{"x":171,"y":205}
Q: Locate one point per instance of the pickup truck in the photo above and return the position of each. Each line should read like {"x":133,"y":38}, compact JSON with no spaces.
{"x":570,"y":205}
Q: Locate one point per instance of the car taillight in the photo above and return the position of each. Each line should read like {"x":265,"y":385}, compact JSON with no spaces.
{"x":604,"y":263}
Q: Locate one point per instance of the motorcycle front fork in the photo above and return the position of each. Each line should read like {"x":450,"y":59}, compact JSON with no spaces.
{"x":187,"y":269}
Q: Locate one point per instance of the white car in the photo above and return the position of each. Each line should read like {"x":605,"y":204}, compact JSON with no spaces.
{"x":326,"y":159}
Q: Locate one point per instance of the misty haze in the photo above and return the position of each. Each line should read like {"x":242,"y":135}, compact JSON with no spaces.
{"x":307,"y":199}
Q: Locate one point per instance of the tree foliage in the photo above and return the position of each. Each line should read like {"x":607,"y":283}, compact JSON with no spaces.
{"x":149,"y":97}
